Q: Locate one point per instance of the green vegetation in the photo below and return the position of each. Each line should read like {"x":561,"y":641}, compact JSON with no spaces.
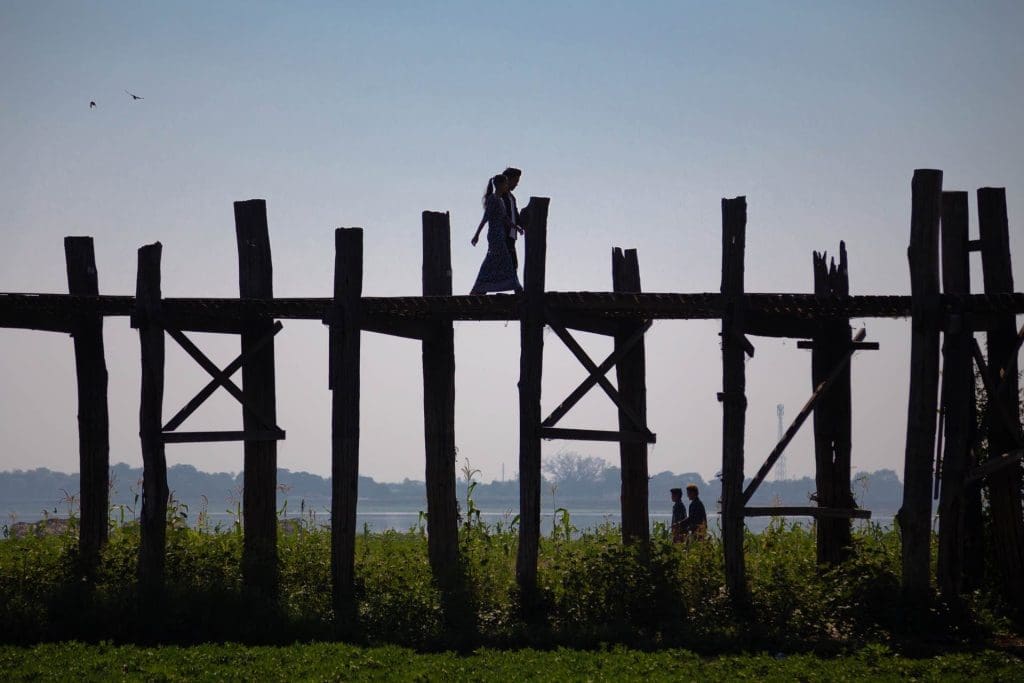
{"x":595,"y":591}
{"x":323,"y":661}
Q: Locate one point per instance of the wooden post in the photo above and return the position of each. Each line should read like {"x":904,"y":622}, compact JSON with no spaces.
{"x":733,"y":397}
{"x":832,"y":414}
{"x":259,"y":495}
{"x":1004,"y":491}
{"x":631,"y":374}
{"x":344,"y":382}
{"x":923,"y":254}
{"x":153,"y":521}
{"x":93,"y":420}
{"x":957,"y":400}
{"x":439,"y":414}
{"x":531,"y":360}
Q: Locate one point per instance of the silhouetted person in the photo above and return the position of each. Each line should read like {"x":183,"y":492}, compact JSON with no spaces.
{"x":509,"y":199}
{"x":678,"y":516}
{"x":497,"y":272}
{"x":697,"y":521}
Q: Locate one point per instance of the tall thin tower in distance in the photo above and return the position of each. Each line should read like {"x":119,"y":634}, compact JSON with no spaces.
{"x":780,"y":466}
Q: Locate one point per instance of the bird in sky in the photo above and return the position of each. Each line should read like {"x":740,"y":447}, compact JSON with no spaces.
{"x":92,"y":105}
{"x":134,"y":96}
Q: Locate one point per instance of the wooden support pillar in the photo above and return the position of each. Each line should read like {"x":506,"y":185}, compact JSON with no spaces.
{"x":439,"y":414}
{"x":153,"y":521}
{"x":733,"y":397}
{"x":259,"y":495}
{"x":923,"y":255}
{"x":93,"y":420}
{"x":531,"y":360}
{"x":957,"y":401}
{"x":344,"y":383}
{"x":632,"y":383}
{"x":1004,"y":491}
{"x":832,"y":420}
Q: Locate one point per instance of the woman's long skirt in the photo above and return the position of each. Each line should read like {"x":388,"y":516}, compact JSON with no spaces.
{"x":498,"y":271}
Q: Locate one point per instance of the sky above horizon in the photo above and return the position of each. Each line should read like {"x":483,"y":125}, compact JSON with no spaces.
{"x":634,"y":118}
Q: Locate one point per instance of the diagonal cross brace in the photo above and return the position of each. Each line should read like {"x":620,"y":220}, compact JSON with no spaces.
{"x":208,"y":390}
{"x":800,"y":419}
{"x":993,"y":392}
{"x":220,"y":377}
{"x":597,"y":373}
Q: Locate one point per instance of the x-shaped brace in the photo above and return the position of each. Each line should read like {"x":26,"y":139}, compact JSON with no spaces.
{"x":597,"y":373}
{"x":221,"y":378}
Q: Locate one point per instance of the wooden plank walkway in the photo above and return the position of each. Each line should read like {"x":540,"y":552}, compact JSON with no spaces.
{"x":57,"y":311}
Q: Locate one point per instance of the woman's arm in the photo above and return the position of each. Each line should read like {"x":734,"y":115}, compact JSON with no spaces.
{"x":476,"y":235}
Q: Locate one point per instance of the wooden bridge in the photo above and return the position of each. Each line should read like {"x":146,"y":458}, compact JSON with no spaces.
{"x":821,"y":319}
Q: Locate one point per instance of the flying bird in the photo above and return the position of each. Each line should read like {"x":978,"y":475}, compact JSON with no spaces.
{"x":134,"y":96}
{"x":92,"y":105}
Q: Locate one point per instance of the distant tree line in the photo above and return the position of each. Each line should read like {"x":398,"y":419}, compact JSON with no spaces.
{"x":571,"y":480}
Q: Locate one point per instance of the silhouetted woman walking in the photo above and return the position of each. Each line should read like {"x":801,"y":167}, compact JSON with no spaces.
{"x":498,"y":271}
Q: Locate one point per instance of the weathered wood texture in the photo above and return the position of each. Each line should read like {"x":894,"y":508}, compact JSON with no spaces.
{"x":734,"y":399}
{"x":923,"y":255}
{"x":832,"y":416}
{"x":153,"y":520}
{"x":1004,"y":491}
{"x":93,"y":419}
{"x":439,"y":415}
{"x":957,"y":401}
{"x":531,"y":362}
{"x":259,"y":495}
{"x":769,"y":314}
{"x":344,"y":382}
{"x":631,"y":373}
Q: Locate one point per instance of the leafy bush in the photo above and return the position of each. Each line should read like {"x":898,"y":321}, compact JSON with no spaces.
{"x":594,"y":590}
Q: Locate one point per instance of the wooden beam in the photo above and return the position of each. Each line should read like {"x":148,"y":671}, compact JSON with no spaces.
{"x":222,"y":377}
{"x":228,"y":371}
{"x":631,"y":374}
{"x":207,"y":437}
{"x":555,"y":324}
{"x":734,"y":403}
{"x":439,"y":422}
{"x":259,"y":495}
{"x":957,"y":404}
{"x":587,"y":384}
{"x":1004,"y":491}
{"x":829,"y":513}
{"x":833,"y":347}
{"x":993,"y":465}
{"x":768,"y":324}
{"x":798,"y":421}
{"x":597,"y":435}
{"x":30,"y":320}
{"x":531,"y":363}
{"x":992,"y":392}
{"x":857,"y":346}
{"x":93,"y":419}
{"x":590,"y":324}
{"x":396,"y":327}
{"x":923,"y":254}
{"x":153,"y":520}
{"x":344,"y":368}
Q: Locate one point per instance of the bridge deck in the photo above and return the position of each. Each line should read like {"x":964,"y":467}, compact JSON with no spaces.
{"x":52,"y":311}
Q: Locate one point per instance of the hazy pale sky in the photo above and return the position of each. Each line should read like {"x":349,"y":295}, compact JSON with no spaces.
{"x":634,"y":118}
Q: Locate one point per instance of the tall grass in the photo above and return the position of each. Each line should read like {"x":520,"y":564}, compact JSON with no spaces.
{"x":594,"y":590}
